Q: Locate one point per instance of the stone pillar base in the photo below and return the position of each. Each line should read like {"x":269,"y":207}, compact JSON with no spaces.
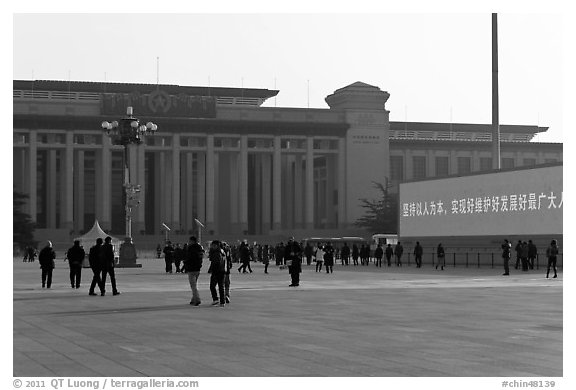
{"x":127,"y":256}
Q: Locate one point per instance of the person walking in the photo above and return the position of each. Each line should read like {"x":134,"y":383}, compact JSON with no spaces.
{"x":159,"y":251}
{"x":46,"y":259}
{"x":319,"y":257}
{"x":217,"y":272}
{"x":441,"y":256}
{"x":398,"y":251}
{"x":389,"y":253}
{"x":292,"y":255}
{"x":108,"y":266}
{"x":355,"y":254}
{"x":192,"y":265}
{"x":75,"y":257}
{"x":266,"y":257}
{"x":178,"y":257}
{"x":506,"y":254}
{"x":308,"y":252}
{"x":552,"y":253}
{"x":96,"y":264}
{"x":524,"y":256}
{"x":532,"y":253}
{"x":378,"y":253}
{"x":518,"y":249}
{"x":227,"y":254}
{"x":168,"y":256}
{"x":279,"y":253}
{"x":329,"y":258}
{"x":418,"y":251}
{"x":245,"y":257}
{"x":345,"y":254}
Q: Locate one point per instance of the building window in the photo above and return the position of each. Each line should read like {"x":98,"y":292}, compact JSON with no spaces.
{"x":260,"y":143}
{"x":193,"y":141}
{"x":507,"y":163}
{"x":464,"y":165}
{"x":294,"y":143}
{"x":528,"y":162}
{"x":396,"y":168}
{"x":485,"y":164}
{"x":20,"y":138}
{"x":442,"y":166}
{"x":419,"y":167}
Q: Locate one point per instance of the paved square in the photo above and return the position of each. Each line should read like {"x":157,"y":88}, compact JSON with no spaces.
{"x":358,"y":321}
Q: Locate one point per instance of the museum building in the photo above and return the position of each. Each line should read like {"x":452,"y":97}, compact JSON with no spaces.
{"x":221,"y":158}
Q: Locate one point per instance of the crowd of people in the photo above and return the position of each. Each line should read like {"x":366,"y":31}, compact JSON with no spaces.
{"x":188,"y":258}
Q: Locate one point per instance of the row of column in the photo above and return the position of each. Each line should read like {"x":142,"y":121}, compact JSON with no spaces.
{"x":174,"y":204}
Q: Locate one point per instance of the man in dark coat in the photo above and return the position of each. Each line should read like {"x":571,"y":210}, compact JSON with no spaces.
{"x":96,"y":264}
{"x":345,"y":254}
{"x":292,"y":255}
{"x":418,"y":251}
{"x":46,"y":259}
{"x":398,"y":250}
{"x":192,"y":264}
{"x":506,"y":254}
{"x":178,"y":257}
{"x":245,"y":257}
{"x":280,"y":254}
{"x":518,"y":249}
{"x":329,"y":258}
{"x":217,"y":271}
{"x":532,"y":253}
{"x":389,"y":253}
{"x":168,"y":256}
{"x":108,"y":268}
{"x":308,"y":252}
{"x":378,"y":253}
{"x":75,"y":257}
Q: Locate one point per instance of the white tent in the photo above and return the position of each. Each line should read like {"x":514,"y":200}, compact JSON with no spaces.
{"x":88,"y":240}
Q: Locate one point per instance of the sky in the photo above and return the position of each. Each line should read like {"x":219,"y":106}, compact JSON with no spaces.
{"x":435,"y":66}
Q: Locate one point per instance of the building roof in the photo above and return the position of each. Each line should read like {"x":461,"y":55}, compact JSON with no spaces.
{"x":107,"y":87}
{"x":464,"y":127}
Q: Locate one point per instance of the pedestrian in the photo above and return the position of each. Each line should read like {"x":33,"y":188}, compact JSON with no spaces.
{"x":192,"y":264}
{"x":389,"y":253}
{"x":159,"y":251}
{"x":524,"y":256}
{"x":518,"y":249}
{"x":168,"y":256}
{"x":363,"y":257}
{"x":95,"y":259}
{"x":266,"y":257}
{"x":532,"y":253}
{"x":355,"y":254}
{"x":418,"y":251}
{"x":319,"y":257}
{"x":108,"y":266}
{"x":245,"y":257}
{"x":292,"y":254}
{"x":227,"y":253}
{"x":46,"y":259}
{"x":75,"y":257}
{"x":329,"y":258}
{"x":441,"y":255}
{"x":280,"y":254}
{"x":378,"y":253}
{"x":506,"y":254}
{"x":178,"y":257}
{"x":398,"y":251}
{"x":552,"y":253}
{"x":308,"y":252}
{"x":31,"y":254}
{"x":345,"y":254}
{"x":217,"y":273}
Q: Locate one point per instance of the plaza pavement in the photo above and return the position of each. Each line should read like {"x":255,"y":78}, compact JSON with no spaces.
{"x":358,"y":321}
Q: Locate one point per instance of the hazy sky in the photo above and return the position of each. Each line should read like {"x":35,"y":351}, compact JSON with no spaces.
{"x":436,"y":66}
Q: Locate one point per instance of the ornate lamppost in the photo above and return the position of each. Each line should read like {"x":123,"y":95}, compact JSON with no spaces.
{"x":128,"y":131}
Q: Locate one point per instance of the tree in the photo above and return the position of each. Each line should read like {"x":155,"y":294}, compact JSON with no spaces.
{"x":23,"y":225}
{"x":382,"y":214}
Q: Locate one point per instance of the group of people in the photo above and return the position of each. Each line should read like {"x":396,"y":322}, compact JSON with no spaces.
{"x":526,"y":253}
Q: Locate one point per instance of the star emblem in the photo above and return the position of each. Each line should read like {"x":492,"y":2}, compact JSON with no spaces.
{"x":159,"y":101}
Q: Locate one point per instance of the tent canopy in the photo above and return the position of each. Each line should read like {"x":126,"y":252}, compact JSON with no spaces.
{"x":89,"y":239}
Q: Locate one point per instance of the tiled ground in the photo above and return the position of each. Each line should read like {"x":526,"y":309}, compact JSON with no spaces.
{"x":358,"y":321}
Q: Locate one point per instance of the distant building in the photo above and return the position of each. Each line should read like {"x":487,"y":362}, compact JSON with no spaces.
{"x":220,"y":157}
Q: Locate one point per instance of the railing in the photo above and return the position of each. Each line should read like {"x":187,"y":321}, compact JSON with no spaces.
{"x":474,"y":259}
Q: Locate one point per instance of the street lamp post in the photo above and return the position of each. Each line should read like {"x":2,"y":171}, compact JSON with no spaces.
{"x":128,"y":131}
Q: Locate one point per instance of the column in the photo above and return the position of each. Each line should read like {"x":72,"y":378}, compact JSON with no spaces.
{"x":234,"y":172}
{"x":409,"y":171}
{"x":201,"y":187}
{"x":68,"y":203}
{"x":176,"y":181}
{"x":475,"y":163}
{"x":309,"y":217}
{"x":430,"y":163}
{"x":277,"y":185}
{"x":161,"y":190}
{"x":140,"y":215}
{"x":210,"y":176}
{"x":331,"y":167}
{"x":257,"y":193}
{"x":51,"y":187}
{"x":342,"y":220}
{"x":189,"y":198}
{"x":105,"y":195}
{"x":453,"y":163}
{"x":298,"y":191}
{"x":79,"y":193}
{"x":243,"y":183}
{"x":266,"y":195}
